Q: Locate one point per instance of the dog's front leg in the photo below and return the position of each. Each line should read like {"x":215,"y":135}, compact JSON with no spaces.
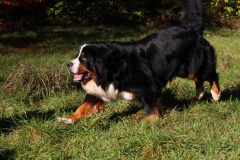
{"x":90,"y":105}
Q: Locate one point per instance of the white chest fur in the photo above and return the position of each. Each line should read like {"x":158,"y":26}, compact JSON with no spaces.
{"x":107,"y":95}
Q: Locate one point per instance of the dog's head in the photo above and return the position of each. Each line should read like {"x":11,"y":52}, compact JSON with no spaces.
{"x":78,"y":66}
{"x":92,"y":62}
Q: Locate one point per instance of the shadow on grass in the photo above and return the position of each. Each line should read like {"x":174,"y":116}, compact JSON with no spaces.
{"x":76,"y":36}
{"x":132,"y":109}
{"x":6,"y":154}
{"x":8,"y":124}
{"x":23,"y":39}
{"x":231,"y":92}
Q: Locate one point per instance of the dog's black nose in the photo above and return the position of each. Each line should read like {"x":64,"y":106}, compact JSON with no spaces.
{"x":69,"y":64}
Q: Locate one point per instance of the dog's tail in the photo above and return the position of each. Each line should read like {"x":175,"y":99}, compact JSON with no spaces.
{"x":193,"y":14}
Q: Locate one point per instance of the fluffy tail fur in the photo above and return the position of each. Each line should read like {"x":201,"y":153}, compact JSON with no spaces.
{"x":193,"y":14}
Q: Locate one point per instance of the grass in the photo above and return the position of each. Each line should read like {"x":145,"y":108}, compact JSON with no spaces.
{"x":36,"y":89}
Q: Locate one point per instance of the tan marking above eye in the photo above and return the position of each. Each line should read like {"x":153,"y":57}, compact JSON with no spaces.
{"x":83,"y":58}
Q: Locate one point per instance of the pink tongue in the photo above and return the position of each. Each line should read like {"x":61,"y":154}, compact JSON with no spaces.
{"x":78,"y":77}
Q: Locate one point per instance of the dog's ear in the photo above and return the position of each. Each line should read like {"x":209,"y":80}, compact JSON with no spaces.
{"x":108,"y":63}
{"x":115,"y":66}
{"x":98,"y":63}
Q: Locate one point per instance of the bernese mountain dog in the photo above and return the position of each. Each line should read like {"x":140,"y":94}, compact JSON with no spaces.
{"x":139,"y":70}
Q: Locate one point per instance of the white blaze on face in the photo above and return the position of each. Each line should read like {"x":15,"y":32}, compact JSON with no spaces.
{"x":76,"y":62}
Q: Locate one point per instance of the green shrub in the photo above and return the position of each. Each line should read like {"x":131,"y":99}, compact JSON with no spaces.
{"x":223,"y":12}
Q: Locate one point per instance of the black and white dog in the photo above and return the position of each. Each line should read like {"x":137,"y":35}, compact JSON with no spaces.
{"x":140,"y":70}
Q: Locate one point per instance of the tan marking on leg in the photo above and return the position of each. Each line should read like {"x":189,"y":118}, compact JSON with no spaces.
{"x":156,"y":112}
{"x":85,"y":109}
{"x":192,"y":77}
{"x":215,"y":90}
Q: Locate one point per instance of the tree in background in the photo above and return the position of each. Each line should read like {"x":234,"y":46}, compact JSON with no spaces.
{"x":223,"y":13}
{"x":18,"y":13}
{"x":22,"y":13}
{"x":106,"y":11}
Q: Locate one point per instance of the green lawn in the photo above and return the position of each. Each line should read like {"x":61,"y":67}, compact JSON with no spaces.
{"x":36,"y":88}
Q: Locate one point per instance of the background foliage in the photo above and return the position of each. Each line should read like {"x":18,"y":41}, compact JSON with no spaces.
{"x":22,"y":13}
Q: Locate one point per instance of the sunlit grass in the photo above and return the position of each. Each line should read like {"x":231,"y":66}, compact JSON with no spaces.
{"x":36,"y":89}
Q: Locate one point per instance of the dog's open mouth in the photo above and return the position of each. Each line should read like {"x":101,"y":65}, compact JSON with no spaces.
{"x":82,"y":77}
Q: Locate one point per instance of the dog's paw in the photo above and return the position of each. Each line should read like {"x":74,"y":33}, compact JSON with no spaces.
{"x":66,"y":120}
{"x":200,"y":93}
{"x":216,"y":96}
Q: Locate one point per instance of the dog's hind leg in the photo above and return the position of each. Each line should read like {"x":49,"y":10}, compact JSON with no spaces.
{"x":214,"y":86}
{"x":199,"y":86}
{"x":153,"y":110}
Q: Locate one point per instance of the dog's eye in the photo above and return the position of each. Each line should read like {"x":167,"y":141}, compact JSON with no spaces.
{"x":83,"y":58}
